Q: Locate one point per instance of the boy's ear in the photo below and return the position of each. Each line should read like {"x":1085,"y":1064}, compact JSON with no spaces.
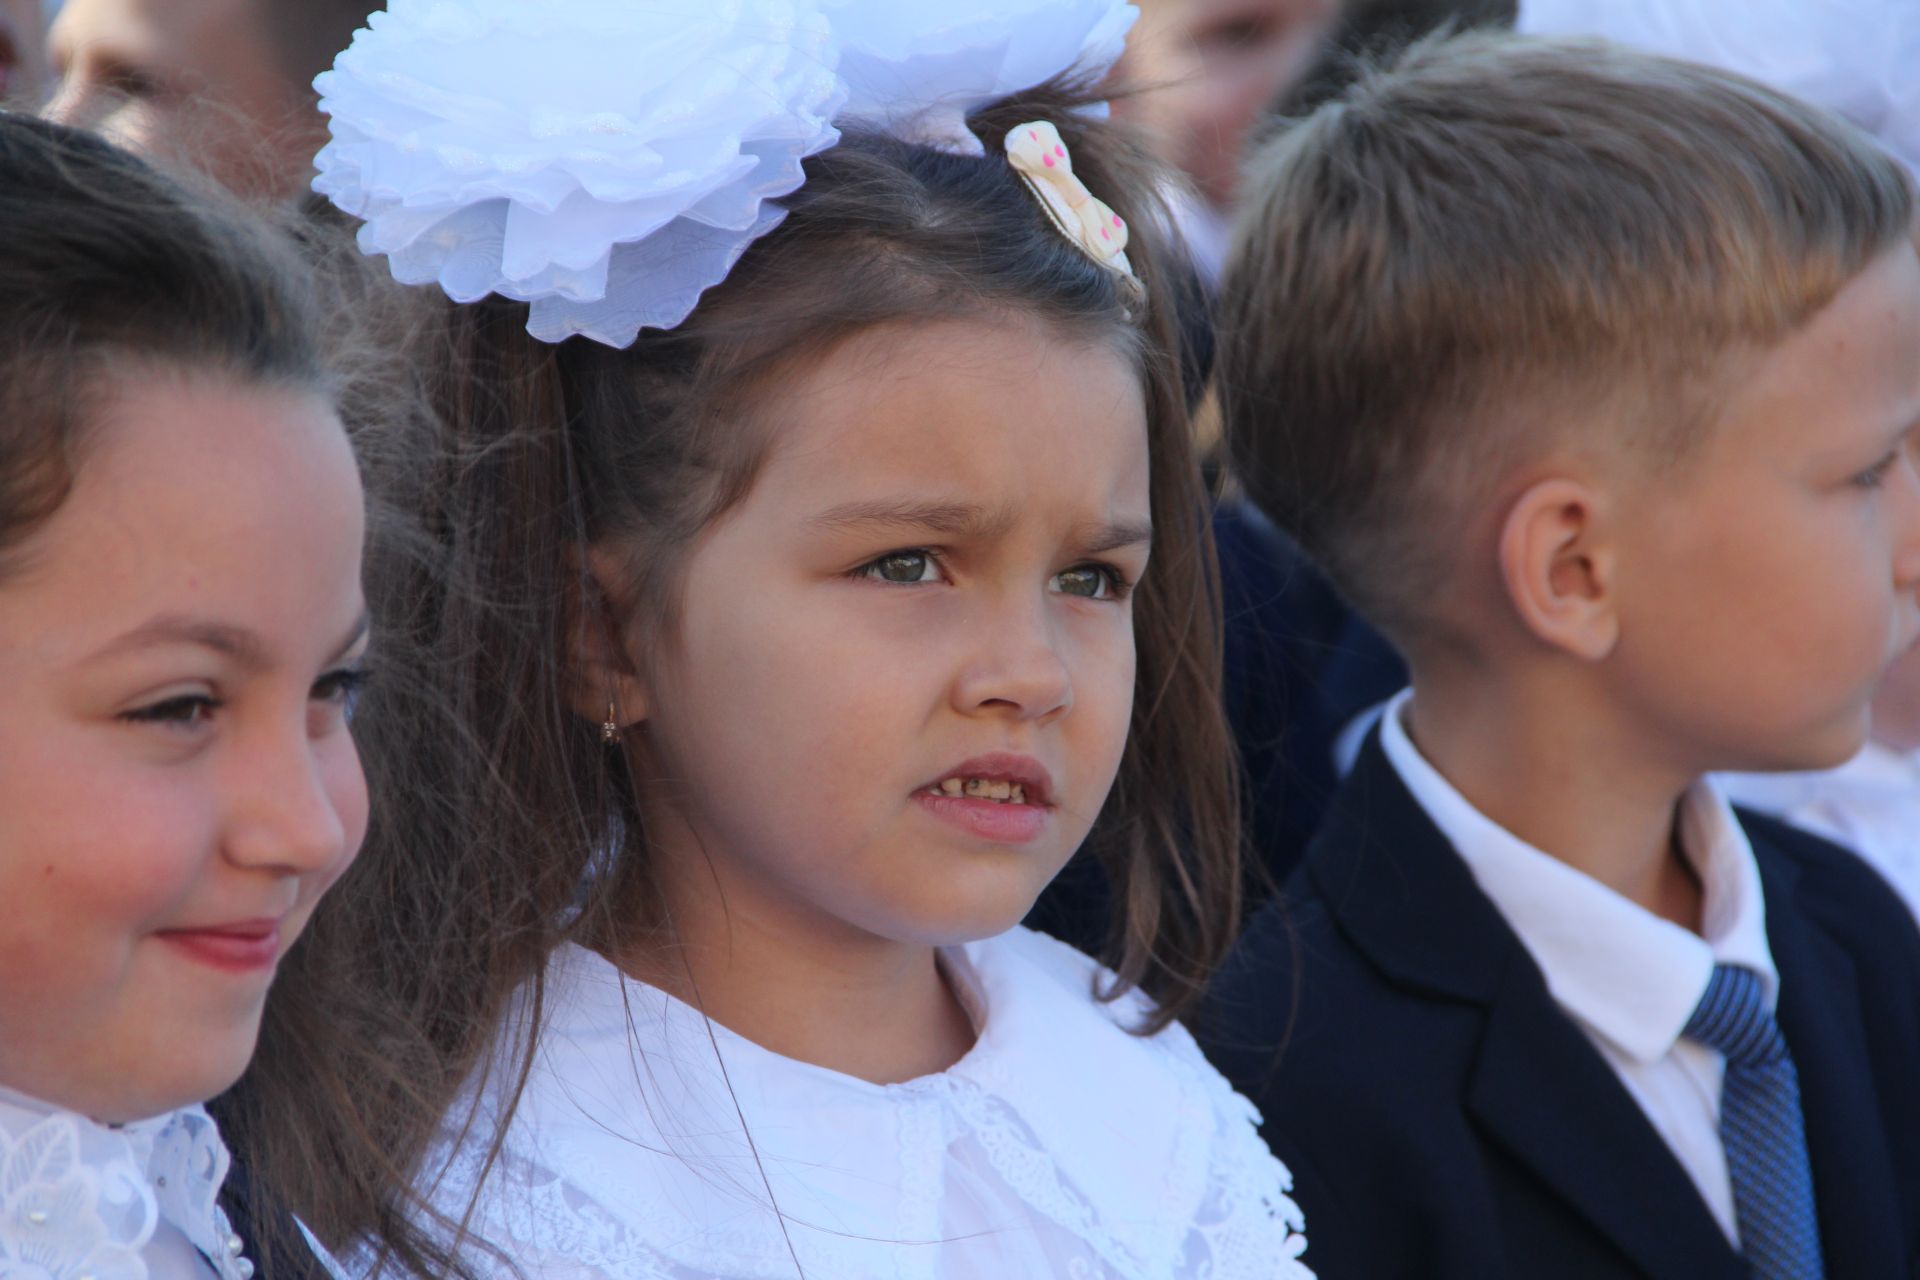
{"x":605,"y":680}
{"x":1557,"y":562}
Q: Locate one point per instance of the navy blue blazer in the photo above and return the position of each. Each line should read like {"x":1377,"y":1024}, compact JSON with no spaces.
{"x":1445,"y":1120}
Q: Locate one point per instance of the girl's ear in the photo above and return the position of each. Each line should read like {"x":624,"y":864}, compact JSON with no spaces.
{"x":1557,"y":562}
{"x":605,"y":682}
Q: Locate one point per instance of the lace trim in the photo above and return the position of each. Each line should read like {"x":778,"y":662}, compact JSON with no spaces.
{"x":81,"y":1201}
{"x":63,"y":1218}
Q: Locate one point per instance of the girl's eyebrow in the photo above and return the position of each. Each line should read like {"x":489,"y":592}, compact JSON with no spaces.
{"x":1121,"y":533}
{"x":971,"y":521}
{"x":951,"y":519}
{"x":245,"y":648}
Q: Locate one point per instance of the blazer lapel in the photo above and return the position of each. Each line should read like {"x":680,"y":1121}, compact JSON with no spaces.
{"x":1537,"y":1087}
{"x":1819,"y":1013}
{"x":1543,"y":1092}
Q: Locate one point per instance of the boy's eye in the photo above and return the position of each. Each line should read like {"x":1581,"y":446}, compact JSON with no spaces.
{"x":1876,"y":475}
{"x":1091,"y":582}
{"x":903,"y":567}
{"x":187,"y":711}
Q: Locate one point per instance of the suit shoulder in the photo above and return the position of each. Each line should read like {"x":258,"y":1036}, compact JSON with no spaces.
{"x":1838,"y":888}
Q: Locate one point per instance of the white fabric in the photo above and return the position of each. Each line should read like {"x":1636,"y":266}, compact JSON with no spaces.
{"x":1870,"y":804}
{"x":81,"y":1199}
{"x":1854,"y":57}
{"x":917,"y":68}
{"x":652,"y":1145}
{"x":604,"y":160}
{"x":1630,"y":979}
{"x":608,"y":161}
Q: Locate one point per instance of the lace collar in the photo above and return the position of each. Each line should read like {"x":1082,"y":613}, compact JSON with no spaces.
{"x":1133,"y":1146}
{"x":80,"y":1200}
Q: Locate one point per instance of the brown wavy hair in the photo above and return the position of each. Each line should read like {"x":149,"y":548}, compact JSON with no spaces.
{"x":505,"y":828}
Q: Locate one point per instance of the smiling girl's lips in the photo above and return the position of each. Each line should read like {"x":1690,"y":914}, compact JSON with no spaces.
{"x":245,"y":946}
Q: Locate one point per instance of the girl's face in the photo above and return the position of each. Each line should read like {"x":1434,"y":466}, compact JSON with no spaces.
{"x":177,"y":785}
{"x":926,"y":592}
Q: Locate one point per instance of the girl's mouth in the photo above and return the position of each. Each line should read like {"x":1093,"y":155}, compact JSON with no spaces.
{"x":243,"y":947}
{"x":1003,"y":798}
{"x":998,"y":790}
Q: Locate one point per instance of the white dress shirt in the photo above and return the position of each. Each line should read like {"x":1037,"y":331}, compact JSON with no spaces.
{"x":137,"y":1200}
{"x":1871,"y":804}
{"x":654,"y":1144}
{"x":1628,"y":978}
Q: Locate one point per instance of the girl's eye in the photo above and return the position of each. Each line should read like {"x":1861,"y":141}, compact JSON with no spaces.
{"x":903,"y":567}
{"x":189,"y":711}
{"x":1876,"y":475}
{"x":1091,"y":582}
{"x":340,"y":687}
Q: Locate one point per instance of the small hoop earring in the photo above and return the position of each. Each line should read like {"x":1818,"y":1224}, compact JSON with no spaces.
{"x":610,"y":731}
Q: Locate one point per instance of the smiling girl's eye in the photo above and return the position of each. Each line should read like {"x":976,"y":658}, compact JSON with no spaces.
{"x":1876,"y":475}
{"x":341,"y":686}
{"x":187,"y":711}
{"x":903,"y":567}
{"x":1091,"y":582}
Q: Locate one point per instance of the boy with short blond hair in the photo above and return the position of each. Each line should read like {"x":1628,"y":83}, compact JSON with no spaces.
{"x":1590,"y":378}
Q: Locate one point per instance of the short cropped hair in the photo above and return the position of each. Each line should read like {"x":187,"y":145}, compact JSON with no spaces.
{"x":1476,"y":249}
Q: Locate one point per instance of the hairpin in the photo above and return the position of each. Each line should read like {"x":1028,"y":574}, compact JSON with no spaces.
{"x":1040,"y":157}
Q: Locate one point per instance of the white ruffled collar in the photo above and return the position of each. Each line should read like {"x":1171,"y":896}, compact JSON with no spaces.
{"x":81,"y":1200}
{"x":1128,"y":1144}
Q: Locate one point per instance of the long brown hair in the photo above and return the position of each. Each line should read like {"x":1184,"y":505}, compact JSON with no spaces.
{"x":506,"y":828}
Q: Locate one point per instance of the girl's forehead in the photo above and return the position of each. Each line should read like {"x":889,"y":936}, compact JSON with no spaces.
{"x":199,"y":498}
{"x":963,"y":412}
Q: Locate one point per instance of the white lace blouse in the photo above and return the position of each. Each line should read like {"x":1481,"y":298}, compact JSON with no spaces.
{"x":654,"y":1145}
{"x":80,"y":1200}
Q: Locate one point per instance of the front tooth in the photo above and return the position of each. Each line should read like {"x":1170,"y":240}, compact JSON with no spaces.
{"x":1019,"y":794}
{"x":950,"y":787}
{"x":1001,"y":791}
{"x":976,"y":788}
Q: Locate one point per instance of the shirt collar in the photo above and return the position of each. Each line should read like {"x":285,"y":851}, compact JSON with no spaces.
{"x":1627,"y":974}
{"x":1147,"y":1137}
{"x":126,"y":1183}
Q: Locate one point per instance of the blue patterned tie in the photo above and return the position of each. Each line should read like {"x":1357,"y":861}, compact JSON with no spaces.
{"x":1761,"y":1129}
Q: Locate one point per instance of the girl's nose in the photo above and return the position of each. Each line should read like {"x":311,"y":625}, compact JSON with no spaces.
{"x":283,"y":816}
{"x":1018,"y":669}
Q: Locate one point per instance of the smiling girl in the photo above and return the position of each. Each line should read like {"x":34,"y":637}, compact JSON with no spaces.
{"x":181,"y":625}
{"x":799,"y":637}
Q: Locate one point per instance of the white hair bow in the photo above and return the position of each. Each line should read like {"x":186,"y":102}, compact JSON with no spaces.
{"x":607,"y":161}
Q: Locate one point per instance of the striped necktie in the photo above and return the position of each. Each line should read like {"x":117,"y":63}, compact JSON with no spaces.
{"x":1761,"y":1128}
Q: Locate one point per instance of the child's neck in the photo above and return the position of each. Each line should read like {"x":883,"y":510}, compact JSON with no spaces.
{"x":1568,"y":784}
{"x":869,"y":1008}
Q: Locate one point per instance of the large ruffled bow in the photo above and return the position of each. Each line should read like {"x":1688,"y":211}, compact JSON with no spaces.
{"x":607,"y":161}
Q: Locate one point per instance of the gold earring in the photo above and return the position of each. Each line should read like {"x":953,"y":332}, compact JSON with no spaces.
{"x":610,"y":731}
